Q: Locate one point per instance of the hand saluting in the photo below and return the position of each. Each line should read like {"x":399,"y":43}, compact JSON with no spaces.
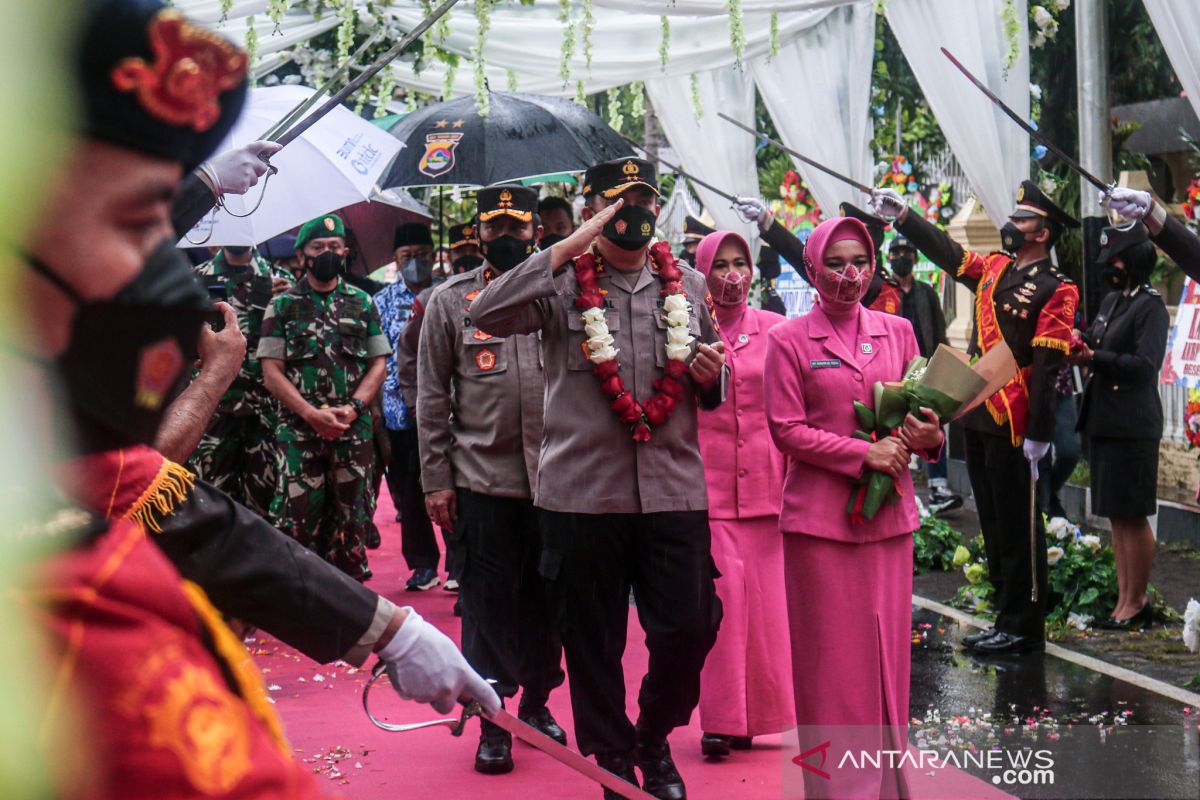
{"x":578,"y":242}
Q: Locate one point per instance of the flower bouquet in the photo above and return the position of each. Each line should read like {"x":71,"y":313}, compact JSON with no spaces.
{"x":948,"y":384}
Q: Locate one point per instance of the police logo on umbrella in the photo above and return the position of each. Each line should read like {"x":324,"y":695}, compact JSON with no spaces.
{"x":439,"y":153}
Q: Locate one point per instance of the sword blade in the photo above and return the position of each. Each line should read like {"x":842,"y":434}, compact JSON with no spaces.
{"x":1033,"y":561}
{"x":535,"y":738}
{"x":862,"y":187}
{"x":677,"y":170}
{"x":1074,"y":165}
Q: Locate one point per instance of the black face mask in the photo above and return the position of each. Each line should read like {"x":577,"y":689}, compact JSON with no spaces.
{"x":549,"y":240}
{"x":129,"y":355}
{"x":1115,"y":278}
{"x":237,"y":251}
{"x":505,"y":252}
{"x":1012,"y":238}
{"x":631,"y":228}
{"x":465,"y":264}
{"x":688,"y":258}
{"x":326,"y":266}
{"x":901,"y":266}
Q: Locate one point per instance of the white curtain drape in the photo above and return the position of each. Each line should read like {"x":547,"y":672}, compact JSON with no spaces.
{"x":1178,"y":25}
{"x":721,"y":7}
{"x":710,"y":148}
{"x":817,"y":90}
{"x":993,"y":152}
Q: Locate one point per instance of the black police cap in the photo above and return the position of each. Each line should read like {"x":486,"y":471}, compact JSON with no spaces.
{"x":153,"y":82}
{"x":866,"y":217}
{"x":900,"y":241}
{"x":695,"y":229}
{"x":463,"y":233}
{"x":610,"y":178}
{"x":1118,"y":239}
{"x":519,"y":202}
{"x":1033,"y":202}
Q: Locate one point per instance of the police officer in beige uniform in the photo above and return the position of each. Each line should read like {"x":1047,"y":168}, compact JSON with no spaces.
{"x":630,"y":348}
{"x":479,"y":415}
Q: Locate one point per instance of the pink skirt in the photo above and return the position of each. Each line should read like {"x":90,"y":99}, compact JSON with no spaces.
{"x":850,"y":613}
{"x":746,"y":685}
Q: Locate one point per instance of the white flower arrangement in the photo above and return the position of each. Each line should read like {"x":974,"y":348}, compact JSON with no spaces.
{"x":599,"y":340}
{"x":1063,"y":528}
{"x":1053,"y":554}
{"x":1090,"y":541}
{"x":1191,"y":626}
{"x":1079,"y":621}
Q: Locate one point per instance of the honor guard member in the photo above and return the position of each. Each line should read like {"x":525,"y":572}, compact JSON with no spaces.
{"x":322,"y":351}
{"x":883,"y":293}
{"x":630,"y":348}
{"x":1175,"y":238}
{"x":114,"y":321}
{"x":1022,"y":300}
{"x":693,"y":231}
{"x":237,"y":452}
{"x":479,"y":404}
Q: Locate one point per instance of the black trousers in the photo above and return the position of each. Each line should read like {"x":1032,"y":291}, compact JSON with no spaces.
{"x":1000,"y":480}
{"x":590,"y":562}
{"x":507,"y":632}
{"x":418,"y":543}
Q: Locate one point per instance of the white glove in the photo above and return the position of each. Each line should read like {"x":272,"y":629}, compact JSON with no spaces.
{"x":887,"y":203}
{"x":1128,"y":203}
{"x":425,"y":666}
{"x":1035,"y":452}
{"x":754,"y":210}
{"x":235,"y":171}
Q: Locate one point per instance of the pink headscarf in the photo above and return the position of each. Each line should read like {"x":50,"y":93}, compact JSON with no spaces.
{"x":835,"y":229}
{"x":706,"y":252}
{"x":841,"y":290}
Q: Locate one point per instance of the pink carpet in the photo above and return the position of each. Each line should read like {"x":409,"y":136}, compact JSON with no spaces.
{"x":321,"y":707}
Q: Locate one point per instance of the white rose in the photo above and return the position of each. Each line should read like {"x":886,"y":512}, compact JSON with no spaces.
{"x":675,"y":302}
{"x":1035,"y":91}
{"x":1059,"y":527}
{"x":1090,"y":541}
{"x":678,"y":336}
{"x":1053,"y":554}
{"x":1042,"y":17}
{"x":596,"y":329}
{"x":599,"y":342}
{"x":678,"y":317}
{"x":1062,"y":5}
{"x":593,"y":315}
{"x":678,"y":352}
{"x":603,"y":354}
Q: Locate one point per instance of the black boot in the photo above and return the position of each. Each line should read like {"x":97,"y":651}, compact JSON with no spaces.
{"x":494,"y":756}
{"x":972,"y":639}
{"x":659,"y":776}
{"x":715,"y":745}
{"x":621,"y":765}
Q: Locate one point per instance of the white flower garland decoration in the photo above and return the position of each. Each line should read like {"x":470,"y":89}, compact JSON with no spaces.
{"x":679,"y":338}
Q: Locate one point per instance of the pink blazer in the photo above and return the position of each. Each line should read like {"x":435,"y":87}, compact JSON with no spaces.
{"x":742,"y":466}
{"x":813,"y":381}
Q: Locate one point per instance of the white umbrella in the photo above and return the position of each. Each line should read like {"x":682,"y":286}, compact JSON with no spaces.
{"x":335,"y":163}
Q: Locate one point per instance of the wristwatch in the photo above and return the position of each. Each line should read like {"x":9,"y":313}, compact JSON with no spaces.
{"x":359,"y":406}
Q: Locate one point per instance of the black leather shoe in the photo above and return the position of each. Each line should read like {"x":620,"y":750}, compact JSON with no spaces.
{"x":494,"y":756}
{"x":715,"y":745}
{"x":972,"y":639}
{"x":741,"y":742}
{"x":1009,"y":644}
{"x":541,"y":720}
{"x":1142,"y":619}
{"x":659,"y":776}
{"x":621,"y":765}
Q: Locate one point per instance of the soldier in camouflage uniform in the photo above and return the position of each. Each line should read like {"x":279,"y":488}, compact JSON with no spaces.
{"x":237,"y":452}
{"x":322,"y":351}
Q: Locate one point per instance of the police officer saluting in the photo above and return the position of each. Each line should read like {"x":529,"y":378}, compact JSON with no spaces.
{"x":1024,"y":301}
{"x":322,"y":351}
{"x":630,"y":348}
{"x":479,"y":406}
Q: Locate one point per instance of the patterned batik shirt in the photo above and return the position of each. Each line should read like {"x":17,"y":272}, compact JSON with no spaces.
{"x":395,"y":307}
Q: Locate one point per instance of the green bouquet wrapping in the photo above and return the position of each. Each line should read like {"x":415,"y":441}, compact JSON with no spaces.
{"x":946,"y":384}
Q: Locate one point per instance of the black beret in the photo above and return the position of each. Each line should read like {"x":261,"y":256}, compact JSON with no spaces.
{"x":1118,"y":239}
{"x":411,"y":233}
{"x":610,"y":178}
{"x":1033,"y":202}
{"x":519,"y":202}
{"x":155,"y":83}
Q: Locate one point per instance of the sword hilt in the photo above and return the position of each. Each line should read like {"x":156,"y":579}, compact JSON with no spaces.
{"x":471,"y":708}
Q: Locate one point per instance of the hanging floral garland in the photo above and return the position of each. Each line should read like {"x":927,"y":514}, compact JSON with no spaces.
{"x":387,"y":87}
{"x":511,"y":79}
{"x":637,"y":100}
{"x":226,"y":6}
{"x":345,"y":31}
{"x":697,"y":103}
{"x":276,"y":10}
{"x":568,"y":41}
{"x":589,"y":22}
{"x":881,"y":7}
{"x":580,"y":93}
{"x":451,"y":61}
{"x":251,"y":42}
{"x":774,"y":36}
{"x":483,"y":21}
{"x":1012,"y":32}
{"x":616,"y":118}
{"x":1046,"y":22}
{"x":737,"y":30}
{"x":664,"y":46}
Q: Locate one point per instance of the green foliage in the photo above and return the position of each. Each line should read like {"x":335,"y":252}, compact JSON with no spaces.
{"x":934,"y":544}
{"x":894,"y":85}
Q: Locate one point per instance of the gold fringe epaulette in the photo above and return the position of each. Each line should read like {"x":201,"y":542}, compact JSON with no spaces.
{"x":1052,"y":343}
{"x":169,"y":488}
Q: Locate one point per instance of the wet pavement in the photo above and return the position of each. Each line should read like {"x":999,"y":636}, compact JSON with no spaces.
{"x":1105,"y":737}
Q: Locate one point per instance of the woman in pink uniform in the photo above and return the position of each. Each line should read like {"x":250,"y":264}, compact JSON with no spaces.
{"x":746,"y":685}
{"x":849,"y":585}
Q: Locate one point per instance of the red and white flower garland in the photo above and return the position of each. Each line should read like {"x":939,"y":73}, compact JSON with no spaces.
{"x":642,"y":417}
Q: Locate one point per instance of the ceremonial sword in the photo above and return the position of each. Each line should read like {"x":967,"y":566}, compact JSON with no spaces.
{"x":1036,"y":134}
{"x":675,"y":169}
{"x":862,"y":187}
{"x":526,"y":733}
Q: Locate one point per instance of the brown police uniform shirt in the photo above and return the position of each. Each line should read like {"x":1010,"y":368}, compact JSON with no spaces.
{"x":479,"y":397}
{"x":589,"y":462}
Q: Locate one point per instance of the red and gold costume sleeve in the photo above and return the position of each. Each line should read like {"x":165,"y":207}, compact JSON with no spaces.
{"x":888,"y":300}
{"x":1057,"y":319}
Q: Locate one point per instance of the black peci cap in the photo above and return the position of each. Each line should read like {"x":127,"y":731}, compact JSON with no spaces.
{"x":519,"y":202}
{"x":411,"y":233}
{"x":153,"y":82}
{"x":1033,"y":202}
{"x":610,"y":178}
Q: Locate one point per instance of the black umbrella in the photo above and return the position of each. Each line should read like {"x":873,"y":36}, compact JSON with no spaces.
{"x":523,"y":135}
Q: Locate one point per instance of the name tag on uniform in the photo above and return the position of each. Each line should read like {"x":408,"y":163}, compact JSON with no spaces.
{"x":826,"y":363}
{"x":867,"y":348}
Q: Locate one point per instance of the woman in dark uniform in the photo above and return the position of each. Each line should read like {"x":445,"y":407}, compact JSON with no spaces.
{"x":1121,"y":417}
